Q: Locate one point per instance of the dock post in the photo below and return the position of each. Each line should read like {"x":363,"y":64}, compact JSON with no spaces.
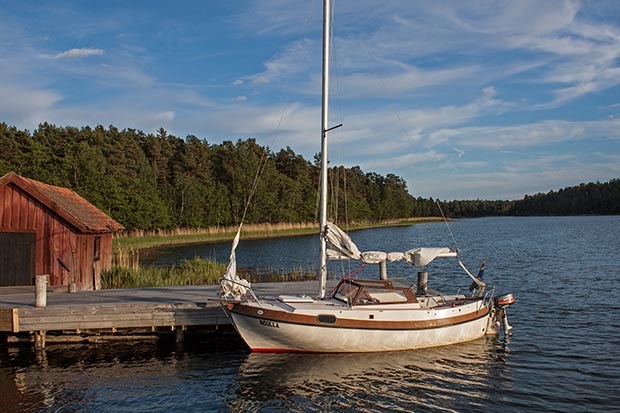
{"x":179,"y":335}
{"x":40,"y":291}
{"x":39,"y":340}
{"x":383,"y":270}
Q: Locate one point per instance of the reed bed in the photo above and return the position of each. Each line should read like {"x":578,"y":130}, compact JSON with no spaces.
{"x":218,"y":230}
{"x":145,"y":239}
{"x":125,"y":272}
{"x":197,"y":271}
{"x":191,"y":272}
{"x":258,"y":275}
{"x":126,"y":257}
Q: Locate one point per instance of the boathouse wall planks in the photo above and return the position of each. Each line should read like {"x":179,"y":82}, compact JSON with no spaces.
{"x":73,"y":239}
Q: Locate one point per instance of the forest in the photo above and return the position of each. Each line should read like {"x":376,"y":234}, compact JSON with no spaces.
{"x":160,"y":181}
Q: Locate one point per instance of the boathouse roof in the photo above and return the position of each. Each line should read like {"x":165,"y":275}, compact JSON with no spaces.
{"x":65,"y":202}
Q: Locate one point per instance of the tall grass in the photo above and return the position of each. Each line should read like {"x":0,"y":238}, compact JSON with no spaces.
{"x":197,"y":271}
{"x":126,"y":257}
{"x":191,"y":272}
{"x":145,"y":239}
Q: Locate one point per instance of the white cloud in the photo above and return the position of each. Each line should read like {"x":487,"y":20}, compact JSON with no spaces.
{"x":509,"y":184}
{"x":25,"y":107}
{"x":532,"y":134}
{"x":433,"y":84}
{"x":166,"y":116}
{"x":79,"y":53}
{"x":407,"y":160}
{"x":407,"y":80}
{"x":295,"y":59}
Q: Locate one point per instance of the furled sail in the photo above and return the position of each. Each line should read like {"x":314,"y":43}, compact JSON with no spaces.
{"x":231,"y":285}
{"x":341,"y":247}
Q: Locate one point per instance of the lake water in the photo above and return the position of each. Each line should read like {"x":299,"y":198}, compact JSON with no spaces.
{"x":563,"y":355}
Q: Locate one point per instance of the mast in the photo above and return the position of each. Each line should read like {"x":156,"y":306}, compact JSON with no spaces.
{"x":323,"y":184}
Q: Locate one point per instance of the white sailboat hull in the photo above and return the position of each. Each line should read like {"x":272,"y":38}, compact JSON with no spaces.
{"x":414,"y":329}
{"x":360,"y":315}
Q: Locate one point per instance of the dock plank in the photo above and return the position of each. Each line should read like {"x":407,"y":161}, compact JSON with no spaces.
{"x":125,"y":308}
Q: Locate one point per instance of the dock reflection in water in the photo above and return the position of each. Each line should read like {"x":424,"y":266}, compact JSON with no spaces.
{"x":463,"y":377}
{"x":220,"y":375}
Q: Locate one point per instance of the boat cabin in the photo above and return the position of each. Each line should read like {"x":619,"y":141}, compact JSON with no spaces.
{"x":361,"y":292}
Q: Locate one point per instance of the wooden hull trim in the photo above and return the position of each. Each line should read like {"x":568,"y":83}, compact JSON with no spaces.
{"x":277,"y":337}
{"x":267,"y":316}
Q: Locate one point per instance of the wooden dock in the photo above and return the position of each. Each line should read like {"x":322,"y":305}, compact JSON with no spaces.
{"x":91,"y":316}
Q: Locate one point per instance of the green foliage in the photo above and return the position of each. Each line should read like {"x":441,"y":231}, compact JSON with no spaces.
{"x":585,"y":199}
{"x":190,"y":272}
{"x":159,"y":181}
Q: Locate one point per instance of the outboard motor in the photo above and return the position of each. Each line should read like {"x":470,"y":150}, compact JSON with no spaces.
{"x":501,"y":303}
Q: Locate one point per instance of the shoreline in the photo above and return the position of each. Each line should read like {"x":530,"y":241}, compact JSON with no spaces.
{"x":260,"y":231}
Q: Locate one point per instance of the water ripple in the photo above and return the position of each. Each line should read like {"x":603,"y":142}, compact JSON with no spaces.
{"x":563,"y":356}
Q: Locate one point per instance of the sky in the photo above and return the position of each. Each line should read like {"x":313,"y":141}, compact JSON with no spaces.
{"x":462,"y":99}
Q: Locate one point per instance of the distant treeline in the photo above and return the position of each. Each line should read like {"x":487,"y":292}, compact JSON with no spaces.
{"x":585,"y":199}
{"x":149,"y":181}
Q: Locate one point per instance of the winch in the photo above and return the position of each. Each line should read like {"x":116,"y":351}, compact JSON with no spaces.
{"x":502,"y":302}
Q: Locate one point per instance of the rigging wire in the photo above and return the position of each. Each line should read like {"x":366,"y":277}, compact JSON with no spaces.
{"x":456,"y":245}
{"x":336,"y":143}
{"x":263,"y":160}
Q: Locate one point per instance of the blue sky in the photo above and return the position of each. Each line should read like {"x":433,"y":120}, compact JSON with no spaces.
{"x":463,"y":99}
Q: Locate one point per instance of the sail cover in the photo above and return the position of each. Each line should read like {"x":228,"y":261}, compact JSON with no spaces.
{"x":342,"y":247}
{"x":231,"y":285}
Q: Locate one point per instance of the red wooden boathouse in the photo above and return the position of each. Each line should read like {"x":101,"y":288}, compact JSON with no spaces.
{"x":47,"y":229}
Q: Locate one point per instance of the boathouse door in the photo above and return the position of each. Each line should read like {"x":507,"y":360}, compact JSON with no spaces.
{"x":17,"y":258}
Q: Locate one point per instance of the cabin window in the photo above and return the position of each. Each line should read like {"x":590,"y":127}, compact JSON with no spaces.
{"x":97,"y":249}
{"x":326,"y":318}
{"x":346,"y":292}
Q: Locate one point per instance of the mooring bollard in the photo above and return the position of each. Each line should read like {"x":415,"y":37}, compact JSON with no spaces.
{"x":40,"y":291}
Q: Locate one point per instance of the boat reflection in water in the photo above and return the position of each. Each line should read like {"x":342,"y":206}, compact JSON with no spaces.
{"x":461,"y":377}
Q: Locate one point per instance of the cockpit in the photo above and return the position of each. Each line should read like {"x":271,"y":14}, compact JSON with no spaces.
{"x":363,"y":292}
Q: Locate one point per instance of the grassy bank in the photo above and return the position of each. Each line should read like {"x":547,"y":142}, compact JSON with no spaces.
{"x":147,"y":239}
{"x":190,"y":272}
{"x":197,"y":271}
{"x":127,"y":274}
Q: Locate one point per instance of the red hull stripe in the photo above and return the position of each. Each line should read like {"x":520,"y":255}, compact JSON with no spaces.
{"x":281,"y":350}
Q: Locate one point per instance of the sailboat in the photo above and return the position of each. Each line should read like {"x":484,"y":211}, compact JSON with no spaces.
{"x":361,"y":315}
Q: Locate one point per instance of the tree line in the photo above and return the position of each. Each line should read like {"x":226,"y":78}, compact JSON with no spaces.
{"x":151,"y":181}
